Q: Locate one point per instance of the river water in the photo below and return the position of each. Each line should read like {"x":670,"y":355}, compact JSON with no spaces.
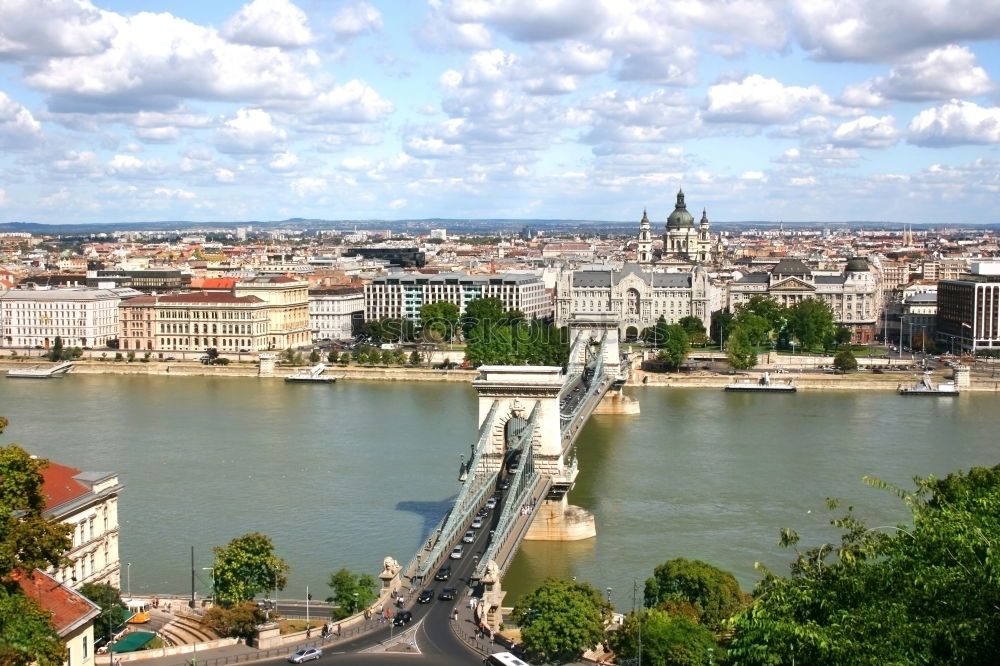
{"x":343,"y":475}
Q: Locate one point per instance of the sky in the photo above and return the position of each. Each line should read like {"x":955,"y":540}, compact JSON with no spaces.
{"x":219,"y":111}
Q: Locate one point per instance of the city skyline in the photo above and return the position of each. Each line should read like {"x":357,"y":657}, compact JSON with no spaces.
{"x":566,"y":109}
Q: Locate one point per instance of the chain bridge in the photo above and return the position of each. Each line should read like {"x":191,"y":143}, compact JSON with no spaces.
{"x":524,"y":456}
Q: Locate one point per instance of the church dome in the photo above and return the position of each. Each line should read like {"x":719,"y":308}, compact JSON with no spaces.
{"x":857,"y":265}
{"x":680,"y":218}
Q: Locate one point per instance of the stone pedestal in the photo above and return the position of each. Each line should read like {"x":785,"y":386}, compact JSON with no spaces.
{"x":268,"y":636}
{"x":490,"y":610}
{"x":962,"y":377}
{"x":266,"y":364}
{"x":558,"y":520}
{"x":616,"y":402}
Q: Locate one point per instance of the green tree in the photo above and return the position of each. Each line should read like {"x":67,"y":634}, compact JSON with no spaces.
{"x":722,"y":322}
{"x":675,"y":347}
{"x":773,"y":312}
{"x":483,"y":311}
{"x":667,"y":640}
{"x":742,"y":354}
{"x":415,"y":358}
{"x":56,"y":353}
{"x":917,"y":593}
{"x":842,"y":335}
{"x":351,"y":592}
{"x":246,"y":566}
{"x":561,"y":618}
{"x":212,"y":353}
{"x":811,"y":321}
{"x":756,"y":327}
{"x":28,"y":541}
{"x":314,"y":357}
{"x":398,"y":357}
{"x":713,"y":593}
{"x":440,"y":319}
{"x":695,"y":329}
{"x":333,"y":356}
{"x":113,"y":612}
{"x":845,"y":361}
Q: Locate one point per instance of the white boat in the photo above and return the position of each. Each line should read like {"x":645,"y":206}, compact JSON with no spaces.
{"x":41,"y":372}
{"x":926,"y":387}
{"x":763,"y":385}
{"x":313,"y":374}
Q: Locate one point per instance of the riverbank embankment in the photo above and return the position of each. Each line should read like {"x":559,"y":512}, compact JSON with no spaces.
{"x":805,"y":381}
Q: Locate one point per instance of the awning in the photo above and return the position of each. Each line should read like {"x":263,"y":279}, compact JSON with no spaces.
{"x":133,"y":641}
{"x":136,"y":603}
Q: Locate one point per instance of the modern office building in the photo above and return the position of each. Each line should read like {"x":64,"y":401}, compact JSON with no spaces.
{"x":80,"y":317}
{"x":968,"y":309}
{"x":401,"y":295}
{"x":404,"y":257}
{"x":336,"y":312}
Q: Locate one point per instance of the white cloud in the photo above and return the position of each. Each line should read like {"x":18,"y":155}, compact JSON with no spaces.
{"x":868,"y":31}
{"x":676,"y":68}
{"x":269,"y":23}
{"x":761,"y":100}
{"x":954,"y":123}
{"x":353,"y":102}
{"x":168,"y":193}
{"x":355,"y":164}
{"x":283,"y":162}
{"x":224,"y":176}
{"x":310,"y":186}
{"x":129,"y":166}
{"x":863,"y":95}
{"x":158,"y":134}
{"x":530,"y":20}
{"x":356,"y":20}
{"x":941,"y":74}
{"x":18,"y":128}
{"x":867,"y":132}
{"x":250,"y":131}
{"x":52,"y":28}
{"x":431,"y":147}
{"x":397,"y":204}
{"x":3,"y":197}
{"x":82,"y":164}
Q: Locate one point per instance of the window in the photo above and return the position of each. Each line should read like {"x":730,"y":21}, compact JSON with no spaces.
{"x":85,"y":647}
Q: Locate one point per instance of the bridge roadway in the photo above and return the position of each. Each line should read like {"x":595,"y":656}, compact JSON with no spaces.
{"x":520,"y":491}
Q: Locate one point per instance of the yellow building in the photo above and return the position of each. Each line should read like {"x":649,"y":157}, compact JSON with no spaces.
{"x":287,"y":300}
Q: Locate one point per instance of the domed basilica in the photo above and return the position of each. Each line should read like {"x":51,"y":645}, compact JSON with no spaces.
{"x":683,"y":242}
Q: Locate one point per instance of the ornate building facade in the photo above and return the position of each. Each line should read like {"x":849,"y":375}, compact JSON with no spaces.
{"x":636,"y":297}
{"x":683,"y":242}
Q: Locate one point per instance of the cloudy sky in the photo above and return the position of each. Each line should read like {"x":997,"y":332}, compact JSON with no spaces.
{"x":212,"y":110}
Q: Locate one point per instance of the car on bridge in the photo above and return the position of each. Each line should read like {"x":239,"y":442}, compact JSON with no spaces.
{"x":305,"y":654}
{"x":456,"y":552}
{"x":448,"y":594}
{"x":444,"y":573}
{"x":491,"y":503}
{"x":425,"y":597}
{"x":402,"y":617}
{"x":477,"y":522}
{"x":469,"y":537}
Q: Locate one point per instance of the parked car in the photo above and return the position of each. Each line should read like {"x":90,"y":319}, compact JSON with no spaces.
{"x":444,"y":573}
{"x":456,"y":552}
{"x":469,"y":537}
{"x":425,"y":597}
{"x":402,"y":617}
{"x":447,"y":594}
{"x":305,"y":654}
{"x":477,"y":522}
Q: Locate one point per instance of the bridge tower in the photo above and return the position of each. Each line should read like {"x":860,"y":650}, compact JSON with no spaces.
{"x":518,"y":390}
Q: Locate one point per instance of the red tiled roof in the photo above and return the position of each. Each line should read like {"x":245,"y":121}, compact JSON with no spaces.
{"x":209,"y":297}
{"x":218,"y":283}
{"x":69,"y":609}
{"x":60,"y":486}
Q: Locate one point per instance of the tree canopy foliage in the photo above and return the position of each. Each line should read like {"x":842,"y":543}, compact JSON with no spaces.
{"x":351,"y":592}
{"x":713,"y":593}
{"x":675,"y":347}
{"x":668,"y":639}
{"x":27,"y":541}
{"x":811,"y":321}
{"x":742,"y":354}
{"x":239,"y":620}
{"x":561,"y":618}
{"x":113,"y":612}
{"x":438,"y":321}
{"x":246,"y":566}
{"x":845,"y":361}
{"x":924,"y":593}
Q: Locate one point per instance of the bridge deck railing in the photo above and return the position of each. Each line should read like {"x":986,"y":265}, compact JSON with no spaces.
{"x":471,"y":495}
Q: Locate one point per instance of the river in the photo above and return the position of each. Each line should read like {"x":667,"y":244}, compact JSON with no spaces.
{"x":343,"y":475}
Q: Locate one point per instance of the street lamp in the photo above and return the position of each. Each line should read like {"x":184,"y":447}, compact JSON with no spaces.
{"x":609,"y":596}
{"x":128,"y":579}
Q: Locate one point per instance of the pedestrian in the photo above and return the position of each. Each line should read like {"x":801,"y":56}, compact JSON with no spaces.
{"x":368,"y":614}
{"x":338,"y":630}
{"x":309,"y":632}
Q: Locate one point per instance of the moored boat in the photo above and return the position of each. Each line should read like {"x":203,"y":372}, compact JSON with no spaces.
{"x":926,"y":387}
{"x":40,"y":372}
{"x":311,"y":375}
{"x":763,"y":385}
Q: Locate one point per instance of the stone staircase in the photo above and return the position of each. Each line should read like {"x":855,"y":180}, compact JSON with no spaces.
{"x":185,"y":629}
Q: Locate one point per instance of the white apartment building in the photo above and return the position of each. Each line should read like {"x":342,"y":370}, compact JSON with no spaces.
{"x":333,"y":311}
{"x":88,"y":501}
{"x":81,"y":317}
{"x":401,"y":295}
